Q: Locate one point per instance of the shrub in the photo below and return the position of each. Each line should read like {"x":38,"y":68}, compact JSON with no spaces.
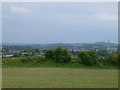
{"x":26,"y":60}
{"x":17,"y":55}
{"x":88,"y":57}
{"x":113,"y":59}
{"x":49,"y":53}
{"x":33,"y":60}
{"x":60,"y":55}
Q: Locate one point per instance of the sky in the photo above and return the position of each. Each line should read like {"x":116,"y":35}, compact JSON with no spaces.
{"x":57,"y":22}
{"x":0,"y":23}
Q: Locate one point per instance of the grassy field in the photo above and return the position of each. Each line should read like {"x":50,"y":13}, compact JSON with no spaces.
{"x":59,"y":78}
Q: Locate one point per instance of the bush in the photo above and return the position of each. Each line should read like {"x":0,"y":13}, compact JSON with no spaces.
{"x":26,"y":60}
{"x":113,"y":59}
{"x":76,"y":60}
{"x":60,"y":55}
{"x":33,"y":60}
{"x":88,"y":57}
{"x":17,"y":55}
{"x":49,"y":54}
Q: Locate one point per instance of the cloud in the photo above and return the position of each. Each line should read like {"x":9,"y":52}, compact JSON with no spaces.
{"x":20,"y":10}
{"x":106,"y":16}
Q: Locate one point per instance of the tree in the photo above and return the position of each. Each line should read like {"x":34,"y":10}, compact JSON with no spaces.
{"x":88,"y":57}
{"x":103,"y":53}
{"x":17,"y":54}
{"x":113,"y":59}
{"x":59,"y":55}
{"x":49,"y":54}
{"x":62,"y":55}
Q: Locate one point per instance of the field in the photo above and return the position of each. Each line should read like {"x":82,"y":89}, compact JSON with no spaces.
{"x":59,"y":78}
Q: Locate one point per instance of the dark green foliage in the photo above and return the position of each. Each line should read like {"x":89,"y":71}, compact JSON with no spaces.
{"x":17,"y":55}
{"x":88,"y":57}
{"x":113,"y":59}
{"x":49,"y":53}
{"x":59,"y":54}
{"x":103,"y":53}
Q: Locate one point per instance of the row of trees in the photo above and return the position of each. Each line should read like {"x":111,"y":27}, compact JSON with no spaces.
{"x":60,"y":55}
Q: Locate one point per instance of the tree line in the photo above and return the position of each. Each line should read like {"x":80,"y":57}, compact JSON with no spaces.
{"x":60,"y":55}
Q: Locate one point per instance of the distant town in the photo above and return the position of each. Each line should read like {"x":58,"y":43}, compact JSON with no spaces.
{"x":15,"y":50}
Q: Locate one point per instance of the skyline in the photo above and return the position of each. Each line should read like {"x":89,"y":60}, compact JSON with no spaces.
{"x":58,"y":43}
{"x":59,"y":22}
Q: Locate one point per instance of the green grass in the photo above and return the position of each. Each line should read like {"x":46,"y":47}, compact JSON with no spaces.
{"x":40,"y":77}
{"x":50,"y":63}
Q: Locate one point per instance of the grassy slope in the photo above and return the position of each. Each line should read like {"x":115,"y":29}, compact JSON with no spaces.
{"x":59,"y":78}
{"x":49,"y":63}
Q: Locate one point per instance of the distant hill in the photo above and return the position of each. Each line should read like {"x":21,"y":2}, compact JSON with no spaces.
{"x":58,"y":44}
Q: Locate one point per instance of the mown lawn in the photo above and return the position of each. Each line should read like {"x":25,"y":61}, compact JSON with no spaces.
{"x":59,"y":78}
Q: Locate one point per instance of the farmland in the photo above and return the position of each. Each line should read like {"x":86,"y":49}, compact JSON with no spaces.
{"x":41,"y":77}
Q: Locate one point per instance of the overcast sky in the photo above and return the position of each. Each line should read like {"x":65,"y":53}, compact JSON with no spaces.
{"x":59,"y":22}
